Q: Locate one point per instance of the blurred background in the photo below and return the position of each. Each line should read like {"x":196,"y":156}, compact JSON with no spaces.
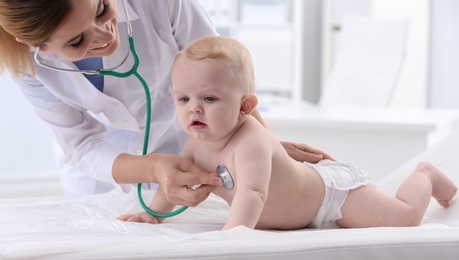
{"x":383,"y":54}
{"x":304,"y":36}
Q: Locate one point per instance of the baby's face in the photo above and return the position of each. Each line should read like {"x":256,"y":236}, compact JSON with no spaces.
{"x":207,"y":102}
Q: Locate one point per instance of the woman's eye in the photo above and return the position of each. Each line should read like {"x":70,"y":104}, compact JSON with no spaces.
{"x":78,"y":43}
{"x":102,"y":10}
{"x":210,"y":99}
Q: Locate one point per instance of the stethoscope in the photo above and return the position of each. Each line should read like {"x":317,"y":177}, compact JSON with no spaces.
{"x":222,"y":171}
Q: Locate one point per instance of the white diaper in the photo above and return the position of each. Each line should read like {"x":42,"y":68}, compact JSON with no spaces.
{"x":338,"y":178}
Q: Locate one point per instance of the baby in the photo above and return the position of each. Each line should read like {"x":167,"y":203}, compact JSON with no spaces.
{"x":213,"y":84}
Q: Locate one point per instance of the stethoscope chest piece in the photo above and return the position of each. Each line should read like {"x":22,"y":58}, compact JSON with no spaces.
{"x":225,"y":175}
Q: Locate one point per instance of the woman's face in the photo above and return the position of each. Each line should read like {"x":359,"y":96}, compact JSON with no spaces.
{"x":90,"y":30}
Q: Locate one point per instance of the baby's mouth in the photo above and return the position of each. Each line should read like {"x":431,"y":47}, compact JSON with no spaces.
{"x":197,"y":123}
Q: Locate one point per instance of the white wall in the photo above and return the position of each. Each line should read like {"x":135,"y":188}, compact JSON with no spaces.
{"x":25,"y":148}
{"x":444,"y":77}
{"x":412,"y":89}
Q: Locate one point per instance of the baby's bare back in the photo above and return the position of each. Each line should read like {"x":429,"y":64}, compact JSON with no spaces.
{"x":296,"y":193}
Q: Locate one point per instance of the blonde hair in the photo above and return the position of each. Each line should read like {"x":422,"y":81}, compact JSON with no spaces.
{"x":235,"y":55}
{"x":33,"y":21}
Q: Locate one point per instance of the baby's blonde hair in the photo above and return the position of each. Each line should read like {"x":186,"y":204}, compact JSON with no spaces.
{"x":235,"y":55}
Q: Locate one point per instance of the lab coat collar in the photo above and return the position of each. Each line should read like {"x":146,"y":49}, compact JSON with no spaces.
{"x":49,"y":55}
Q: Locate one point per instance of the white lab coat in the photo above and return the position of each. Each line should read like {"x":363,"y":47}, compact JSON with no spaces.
{"x":89,"y":128}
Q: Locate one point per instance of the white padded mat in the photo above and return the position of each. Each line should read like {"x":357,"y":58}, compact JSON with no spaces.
{"x":86,"y":228}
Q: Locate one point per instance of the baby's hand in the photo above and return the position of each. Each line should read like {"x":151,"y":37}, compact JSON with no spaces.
{"x":142,"y":217}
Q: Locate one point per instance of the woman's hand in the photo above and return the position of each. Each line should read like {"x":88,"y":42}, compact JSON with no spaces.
{"x":304,"y":153}
{"x":177,"y":176}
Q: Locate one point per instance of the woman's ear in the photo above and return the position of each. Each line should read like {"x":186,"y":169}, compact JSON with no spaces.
{"x":30,"y":44}
{"x":249,"y":103}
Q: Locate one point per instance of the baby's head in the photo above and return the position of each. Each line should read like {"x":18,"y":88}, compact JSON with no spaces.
{"x":213,"y":84}
{"x":231,"y":53}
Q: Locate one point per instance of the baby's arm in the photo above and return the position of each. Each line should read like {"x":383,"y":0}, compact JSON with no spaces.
{"x":159,"y":204}
{"x":253,"y":167}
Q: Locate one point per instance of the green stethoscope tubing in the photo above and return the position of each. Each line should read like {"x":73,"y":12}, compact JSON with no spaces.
{"x":134,"y":71}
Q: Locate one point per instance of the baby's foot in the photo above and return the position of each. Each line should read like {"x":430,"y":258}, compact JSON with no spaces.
{"x":443,"y":189}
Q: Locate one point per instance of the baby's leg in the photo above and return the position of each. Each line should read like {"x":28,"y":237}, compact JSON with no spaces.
{"x":439,"y":185}
{"x":368,"y":207}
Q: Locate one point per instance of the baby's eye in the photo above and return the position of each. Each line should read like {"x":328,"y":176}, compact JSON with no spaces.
{"x":184,"y":99}
{"x":210,"y":99}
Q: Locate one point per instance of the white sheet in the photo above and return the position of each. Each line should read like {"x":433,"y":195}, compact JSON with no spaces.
{"x":86,"y":228}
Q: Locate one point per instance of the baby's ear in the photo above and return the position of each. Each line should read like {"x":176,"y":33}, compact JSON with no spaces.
{"x":249,"y":103}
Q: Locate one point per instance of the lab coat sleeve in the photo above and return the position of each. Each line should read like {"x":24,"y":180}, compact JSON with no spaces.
{"x":79,"y":135}
{"x":189,"y":21}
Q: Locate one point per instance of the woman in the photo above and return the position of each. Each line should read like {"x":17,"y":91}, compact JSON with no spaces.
{"x":98,"y":122}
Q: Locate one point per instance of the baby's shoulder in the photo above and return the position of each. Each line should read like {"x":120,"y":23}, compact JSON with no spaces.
{"x":254,"y":136}
{"x":254,"y":132}
{"x":255,"y":128}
